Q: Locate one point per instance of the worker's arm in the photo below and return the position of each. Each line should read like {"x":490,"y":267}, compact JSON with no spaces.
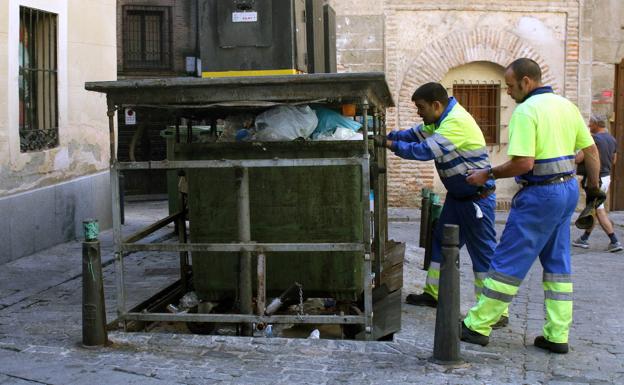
{"x":614,"y":160}
{"x":412,"y":134}
{"x":579,"y":157}
{"x":592,"y":166}
{"x":410,"y":150}
{"x":518,"y":165}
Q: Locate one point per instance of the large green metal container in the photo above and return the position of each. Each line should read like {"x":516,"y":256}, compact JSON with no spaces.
{"x":287,"y":204}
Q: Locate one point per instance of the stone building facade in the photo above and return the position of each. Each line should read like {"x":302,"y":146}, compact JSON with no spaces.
{"x":467,"y":43}
{"x":50,"y":183}
{"x":176,"y":21}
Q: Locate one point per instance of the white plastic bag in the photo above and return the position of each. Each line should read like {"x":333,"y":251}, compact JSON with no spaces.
{"x":285,"y":123}
{"x":342,"y":133}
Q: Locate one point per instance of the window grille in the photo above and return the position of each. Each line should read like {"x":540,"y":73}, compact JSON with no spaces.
{"x":482,"y":100}
{"x":38,"y":80}
{"x":146,"y":38}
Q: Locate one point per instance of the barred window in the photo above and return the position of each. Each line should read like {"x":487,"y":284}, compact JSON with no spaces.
{"x":38,"y":74}
{"x":146,"y":38}
{"x":483,"y":103}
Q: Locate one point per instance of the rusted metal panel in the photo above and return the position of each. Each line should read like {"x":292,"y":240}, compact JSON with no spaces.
{"x":292,"y":205}
{"x":346,"y":88}
{"x":311,"y":223}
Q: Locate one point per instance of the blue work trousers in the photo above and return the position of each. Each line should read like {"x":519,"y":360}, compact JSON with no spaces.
{"x":476,"y":230}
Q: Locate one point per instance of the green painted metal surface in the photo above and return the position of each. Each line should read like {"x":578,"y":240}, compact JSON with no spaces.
{"x":287,"y":204}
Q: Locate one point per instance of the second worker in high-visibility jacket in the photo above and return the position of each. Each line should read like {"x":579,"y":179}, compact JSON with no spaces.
{"x":452,"y":138}
{"x":545,"y":131}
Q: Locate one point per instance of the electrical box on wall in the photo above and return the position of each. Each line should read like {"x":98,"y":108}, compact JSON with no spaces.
{"x":314,"y":36}
{"x":252,"y":37}
{"x":329,"y":20}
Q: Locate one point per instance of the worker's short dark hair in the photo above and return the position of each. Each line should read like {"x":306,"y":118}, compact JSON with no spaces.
{"x":431,"y":92}
{"x":526,"y":67}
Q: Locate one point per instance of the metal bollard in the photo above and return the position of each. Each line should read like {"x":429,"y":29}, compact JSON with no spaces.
{"x":93,"y":306}
{"x":447,"y":332}
{"x":424,"y":216}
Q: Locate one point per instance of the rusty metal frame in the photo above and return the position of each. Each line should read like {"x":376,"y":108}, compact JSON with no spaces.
{"x":366,"y":90}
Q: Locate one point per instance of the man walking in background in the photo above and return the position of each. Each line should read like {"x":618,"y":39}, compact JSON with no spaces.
{"x":607,"y":147}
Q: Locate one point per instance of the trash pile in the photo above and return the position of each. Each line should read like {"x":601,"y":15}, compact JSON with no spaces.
{"x":290,"y":122}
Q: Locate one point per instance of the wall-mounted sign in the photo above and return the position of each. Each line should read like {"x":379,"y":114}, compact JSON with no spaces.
{"x":603,"y":97}
{"x":189,"y":64}
{"x":130,"y":117}
{"x":244,"y":17}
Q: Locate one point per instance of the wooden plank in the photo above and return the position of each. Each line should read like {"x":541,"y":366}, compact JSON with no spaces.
{"x":137,"y":236}
{"x":395,"y":253}
{"x":392,"y":273}
{"x":387,"y":319}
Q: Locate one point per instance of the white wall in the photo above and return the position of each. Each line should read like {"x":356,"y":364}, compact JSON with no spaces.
{"x":86,"y":51}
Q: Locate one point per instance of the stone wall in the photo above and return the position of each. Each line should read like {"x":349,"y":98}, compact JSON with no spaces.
{"x":86,"y":52}
{"x":423,"y":41}
{"x":605,"y":20}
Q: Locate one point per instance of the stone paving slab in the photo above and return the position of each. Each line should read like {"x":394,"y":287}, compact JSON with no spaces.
{"x":40,"y":330}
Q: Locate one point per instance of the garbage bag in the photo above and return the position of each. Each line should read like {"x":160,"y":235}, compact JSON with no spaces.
{"x":329,"y":120}
{"x":233,"y":124}
{"x":341,"y":133}
{"x":284,"y":123}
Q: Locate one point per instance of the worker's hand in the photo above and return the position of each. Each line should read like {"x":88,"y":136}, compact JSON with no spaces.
{"x":595,"y":196}
{"x":393,"y":135}
{"x":477,"y":177}
{"x":380,"y":140}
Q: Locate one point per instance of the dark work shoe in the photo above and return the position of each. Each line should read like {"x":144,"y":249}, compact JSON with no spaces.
{"x":501,"y":323}
{"x":424,"y":299}
{"x":543,"y":343}
{"x":473,"y":337}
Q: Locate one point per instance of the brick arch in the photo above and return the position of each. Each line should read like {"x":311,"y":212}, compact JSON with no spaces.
{"x":485,"y":44}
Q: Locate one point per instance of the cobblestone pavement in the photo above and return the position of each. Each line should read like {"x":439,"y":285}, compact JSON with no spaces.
{"x":40,"y":329}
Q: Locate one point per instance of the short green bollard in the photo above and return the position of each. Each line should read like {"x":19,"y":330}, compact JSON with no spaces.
{"x":91,"y":229}
{"x":93,"y":307}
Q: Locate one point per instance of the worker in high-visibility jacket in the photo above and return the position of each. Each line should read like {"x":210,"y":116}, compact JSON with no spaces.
{"x":544,"y":133}
{"x":452,"y":138}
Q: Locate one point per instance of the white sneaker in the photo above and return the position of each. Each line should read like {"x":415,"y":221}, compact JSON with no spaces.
{"x":580,"y":242}
{"x":614,"y":247}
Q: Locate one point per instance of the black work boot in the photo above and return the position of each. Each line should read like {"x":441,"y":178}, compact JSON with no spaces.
{"x":501,"y":323}
{"x":424,"y":299}
{"x":555,"y":347}
{"x":473,"y":337}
